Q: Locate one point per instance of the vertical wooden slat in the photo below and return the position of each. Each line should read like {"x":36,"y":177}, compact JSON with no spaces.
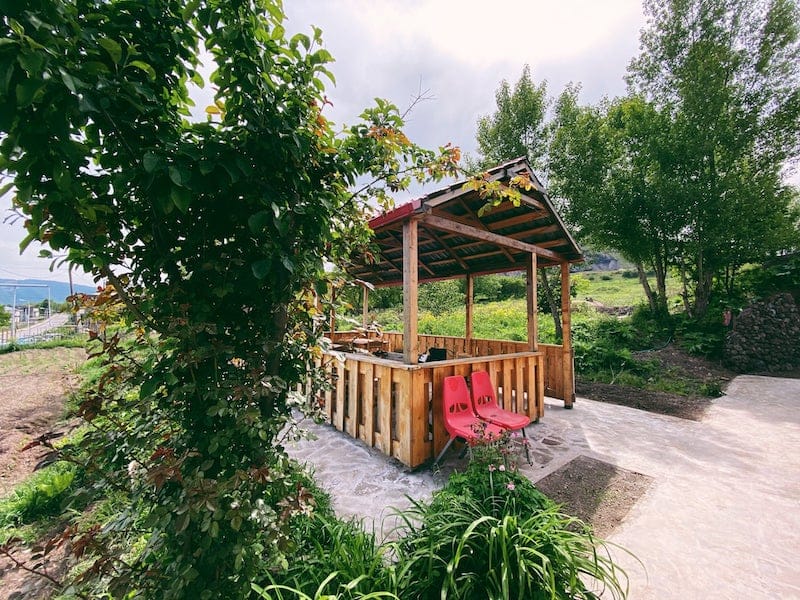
{"x":508,"y":385}
{"x":539,"y":387}
{"x":386,"y":410}
{"x":410,"y":284}
{"x":327,"y":394}
{"x":566,"y":346}
{"x":440,"y":435}
{"x":470,"y":304}
{"x":365,"y":307}
{"x":366,"y":432}
{"x":418,"y":400}
{"x":351,"y":420}
{"x":404,"y":407}
{"x":340,"y":399}
{"x":519,"y":386}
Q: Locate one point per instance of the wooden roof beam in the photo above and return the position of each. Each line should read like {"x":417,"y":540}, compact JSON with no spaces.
{"x":447,"y":248}
{"x":481,"y":225}
{"x":500,"y":240}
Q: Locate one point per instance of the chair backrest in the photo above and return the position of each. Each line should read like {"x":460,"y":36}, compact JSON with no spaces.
{"x":483,"y":395}
{"x":456,"y":404}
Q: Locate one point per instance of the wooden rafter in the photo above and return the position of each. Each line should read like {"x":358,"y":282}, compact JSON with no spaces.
{"x":493,"y":238}
{"x":447,"y":248}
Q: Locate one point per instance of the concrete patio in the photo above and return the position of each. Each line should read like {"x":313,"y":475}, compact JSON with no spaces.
{"x":720,"y":520}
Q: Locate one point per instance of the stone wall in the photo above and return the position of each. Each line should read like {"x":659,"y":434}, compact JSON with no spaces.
{"x":765,"y":337}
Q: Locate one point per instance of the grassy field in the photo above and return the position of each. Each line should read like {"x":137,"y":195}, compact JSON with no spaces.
{"x":506,"y":319}
{"x":618,"y":288}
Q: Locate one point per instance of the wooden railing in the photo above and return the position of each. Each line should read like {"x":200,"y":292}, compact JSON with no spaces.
{"x":459,"y":347}
{"x":397,"y":409}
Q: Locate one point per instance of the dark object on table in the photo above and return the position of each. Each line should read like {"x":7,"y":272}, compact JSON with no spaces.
{"x":437,"y":354}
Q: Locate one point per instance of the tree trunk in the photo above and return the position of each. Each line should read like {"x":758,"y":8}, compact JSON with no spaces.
{"x":651,"y":301}
{"x":685,"y":291}
{"x":548,"y":292}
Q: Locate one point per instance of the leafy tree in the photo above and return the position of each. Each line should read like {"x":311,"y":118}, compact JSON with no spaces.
{"x":725,"y":74}
{"x":212,"y":234}
{"x":519,"y":128}
{"x":5,"y":318}
{"x":605,"y":161}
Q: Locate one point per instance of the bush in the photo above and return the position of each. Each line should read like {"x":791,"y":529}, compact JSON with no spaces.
{"x":440,"y":297}
{"x":490,"y":534}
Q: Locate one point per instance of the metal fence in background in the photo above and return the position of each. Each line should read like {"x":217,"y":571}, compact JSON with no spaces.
{"x":26,"y":336}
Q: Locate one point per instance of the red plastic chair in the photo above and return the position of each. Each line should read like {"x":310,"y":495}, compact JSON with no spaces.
{"x":459,"y":418}
{"x":484,"y":401}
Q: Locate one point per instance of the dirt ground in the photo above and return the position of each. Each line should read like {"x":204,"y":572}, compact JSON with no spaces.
{"x":596,"y":492}
{"x":34,"y":385}
{"x":675,"y":405}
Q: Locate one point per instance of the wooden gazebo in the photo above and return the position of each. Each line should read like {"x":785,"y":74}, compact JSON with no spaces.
{"x":395,"y":404}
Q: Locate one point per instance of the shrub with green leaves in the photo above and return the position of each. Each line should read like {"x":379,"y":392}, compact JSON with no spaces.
{"x":489,"y":533}
{"x":213,"y":235}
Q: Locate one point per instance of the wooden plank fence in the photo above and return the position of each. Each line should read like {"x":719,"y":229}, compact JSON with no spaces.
{"x":396,"y":407}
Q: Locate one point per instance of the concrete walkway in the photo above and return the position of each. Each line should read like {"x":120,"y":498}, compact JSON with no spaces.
{"x":721,"y":519}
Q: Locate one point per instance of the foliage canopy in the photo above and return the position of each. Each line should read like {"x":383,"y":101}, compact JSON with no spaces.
{"x":213,"y":234}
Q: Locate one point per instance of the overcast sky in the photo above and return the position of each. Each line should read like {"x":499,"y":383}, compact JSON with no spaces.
{"x":457,"y":51}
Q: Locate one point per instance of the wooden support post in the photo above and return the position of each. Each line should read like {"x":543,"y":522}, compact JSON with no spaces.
{"x":566,"y":327}
{"x":469,"y":316}
{"x":410,"y":292}
{"x":365,"y":307}
{"x":533,"y":305}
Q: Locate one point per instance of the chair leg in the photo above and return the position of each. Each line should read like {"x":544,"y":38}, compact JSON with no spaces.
{"x":441,"y":454}
{"x":527,"y":450}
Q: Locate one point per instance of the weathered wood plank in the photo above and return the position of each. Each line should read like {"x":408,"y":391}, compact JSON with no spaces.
{"x":404,"y":409}
{"x":367,"y":428}
{"x":410,"y":290}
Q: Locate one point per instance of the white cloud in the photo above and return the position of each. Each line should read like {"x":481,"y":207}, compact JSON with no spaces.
{"x":481,"y":34}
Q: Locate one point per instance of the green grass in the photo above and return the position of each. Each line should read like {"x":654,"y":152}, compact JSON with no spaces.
{"x":36,"y":500}
{"x":618,"y":288}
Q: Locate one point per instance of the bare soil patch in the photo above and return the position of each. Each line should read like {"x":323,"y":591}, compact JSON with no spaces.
{"x":34,"y":386}
{"x":671,"y":359}
{"x":597,"y":492}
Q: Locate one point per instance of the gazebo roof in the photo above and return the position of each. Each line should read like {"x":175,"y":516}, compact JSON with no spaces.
{"x":454,"y":240}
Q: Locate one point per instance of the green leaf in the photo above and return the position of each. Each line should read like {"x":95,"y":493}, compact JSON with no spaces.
{"x":113,"y":48}
{"x":149,"y":387}
{"x":72,"y":83}
{"x":179,"y":175}
{"x":5,"y":77}
{"x":26,"y":91}
{"x":181,"y":197}
{"x":258,"y":221}
{"x":32,"y":62}
{"x":23,"y":245}
{"x":150,"y":162}
{"x":287,"y":262}
{"x":261,"y":268}
{"x":143,"y":66}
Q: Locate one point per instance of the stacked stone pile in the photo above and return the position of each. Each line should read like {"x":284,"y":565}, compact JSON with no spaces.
{"x":765,"y":337}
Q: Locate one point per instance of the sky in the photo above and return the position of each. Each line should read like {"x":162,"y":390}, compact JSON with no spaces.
{"x":454,"y":52}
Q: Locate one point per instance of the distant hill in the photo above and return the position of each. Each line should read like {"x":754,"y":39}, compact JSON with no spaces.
{"x":59,"y":290}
